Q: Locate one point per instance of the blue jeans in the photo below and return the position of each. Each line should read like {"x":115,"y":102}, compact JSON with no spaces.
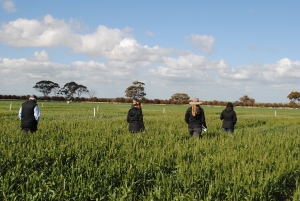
{"x":228,"y":130}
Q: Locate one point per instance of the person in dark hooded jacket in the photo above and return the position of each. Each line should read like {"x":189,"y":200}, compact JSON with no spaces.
{"x":135,"y":119}
{"x":229,"y":118}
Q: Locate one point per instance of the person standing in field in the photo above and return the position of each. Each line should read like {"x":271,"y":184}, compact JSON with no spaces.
{"x":135,"y":118}
{"x":195,"y":118}
{"x":29,"y":114}
{"x":229,"y":118}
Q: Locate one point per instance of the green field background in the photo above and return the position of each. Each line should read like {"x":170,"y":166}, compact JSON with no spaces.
{"x":76,"y":155}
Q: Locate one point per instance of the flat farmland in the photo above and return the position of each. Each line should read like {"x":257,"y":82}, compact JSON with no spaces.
{"x":83,"y":151}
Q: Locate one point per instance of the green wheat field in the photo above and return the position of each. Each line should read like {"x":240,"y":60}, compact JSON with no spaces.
{"x":83,"y":151}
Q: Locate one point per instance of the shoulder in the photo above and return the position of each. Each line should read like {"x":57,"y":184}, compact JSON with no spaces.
{"x":201,"y":109}
{"x":189,"y":109}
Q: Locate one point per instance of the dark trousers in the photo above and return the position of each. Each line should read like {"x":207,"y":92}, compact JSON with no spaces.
{"x":31,"y":130}
{"x":195,"y":132}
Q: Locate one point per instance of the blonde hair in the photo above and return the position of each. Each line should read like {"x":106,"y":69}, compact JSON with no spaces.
{"x":194,"y":110}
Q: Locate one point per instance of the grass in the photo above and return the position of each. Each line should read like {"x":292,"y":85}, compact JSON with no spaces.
{"x":78,"y":156}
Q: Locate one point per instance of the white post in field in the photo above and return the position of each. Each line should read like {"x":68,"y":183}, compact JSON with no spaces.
{"x":42,"y":104}
{"x":10,"y":105}
{"x":164,"y":110}
{"x":275,"y":113}
{"x":94,"y":112}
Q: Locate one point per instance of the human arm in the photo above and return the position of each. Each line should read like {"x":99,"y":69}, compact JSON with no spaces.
{"x":234,"y":118}
{"x":128,"y":116}
{"x":203,"y":119}
{"x":187,"y":116}
{"x":222,"y":116}
{"x":141,"y":121}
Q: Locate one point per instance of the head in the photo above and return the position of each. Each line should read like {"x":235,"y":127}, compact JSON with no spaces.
{"x":137,"y":104}
{"x":195,"y":103}
{"x":134,"y":101}
{"x":33,"y":97}
{"x":229,"y":104}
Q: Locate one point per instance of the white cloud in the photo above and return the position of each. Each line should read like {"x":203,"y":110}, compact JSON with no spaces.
{"x":190,"y":74}
{"x":104,"y":42}
{"x":20,"y":70}
{"x":29,"y":71}
{"x":9,"y":6}
{"x":48,"y":32}
{"x":218,"y":81}
{"x":188,"y":68}
{"x":202,"y":43}
{"x":283,"y":72}
{"x":40,"y":56}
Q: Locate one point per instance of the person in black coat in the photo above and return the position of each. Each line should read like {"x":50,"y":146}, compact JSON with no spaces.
{"x":195,"y":118}
{"x":135,"y":119}
{"x":29,"y":115}
{"x":229,"y":118}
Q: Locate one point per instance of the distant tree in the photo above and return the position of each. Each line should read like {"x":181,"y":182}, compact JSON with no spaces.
{"x":180,"y":97}
{"x":55,"y":91}
{"x":69,"y":89}
{"x":92,"y":93}
{"x":156,"y":101}
{"x":294,"y":96}
{"x":46,"y":87}
{"x":136,"y":90}
{"x":246,"y":98}
{"x":81,"y":89}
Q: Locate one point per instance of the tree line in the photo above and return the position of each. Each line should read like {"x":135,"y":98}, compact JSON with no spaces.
{"x":144,"y":100}
{"x":136,"y":90}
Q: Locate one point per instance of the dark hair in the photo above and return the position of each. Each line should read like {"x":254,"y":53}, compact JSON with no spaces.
{"x":229,"y":104}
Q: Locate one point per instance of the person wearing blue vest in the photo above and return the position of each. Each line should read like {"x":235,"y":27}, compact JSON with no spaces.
{"x":29,"y":114}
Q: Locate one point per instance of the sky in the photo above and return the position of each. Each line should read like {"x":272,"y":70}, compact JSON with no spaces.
{"x":213,"y":50}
